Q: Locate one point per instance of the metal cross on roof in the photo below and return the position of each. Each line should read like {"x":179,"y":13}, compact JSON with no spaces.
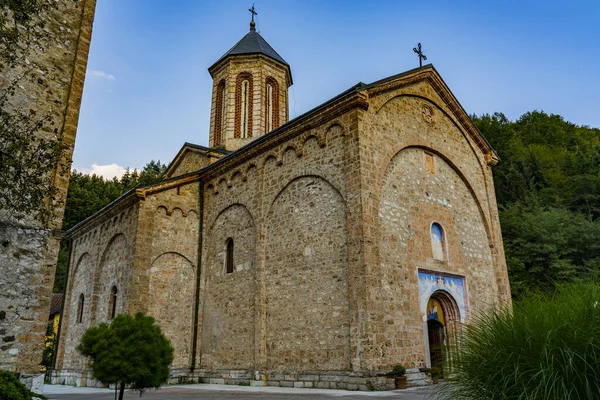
{"x":253,"y":12}
{"x":420,"y":54}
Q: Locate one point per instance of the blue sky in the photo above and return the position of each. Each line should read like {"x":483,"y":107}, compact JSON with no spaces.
{"x":148,"y":90}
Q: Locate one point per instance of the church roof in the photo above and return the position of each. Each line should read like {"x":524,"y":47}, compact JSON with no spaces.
{"x":252,"y":43}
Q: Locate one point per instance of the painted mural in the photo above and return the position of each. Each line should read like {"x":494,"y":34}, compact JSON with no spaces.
{"x":430,"y":282}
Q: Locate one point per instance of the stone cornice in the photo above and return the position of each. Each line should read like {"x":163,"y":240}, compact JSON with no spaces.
{"x":290,"y":130}
{"x":430,"y":75}
{"x":128,"y":199}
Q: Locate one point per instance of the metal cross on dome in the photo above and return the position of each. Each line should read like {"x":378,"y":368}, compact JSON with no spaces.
{"x":420,"y":54}
{"x":253,"y":12}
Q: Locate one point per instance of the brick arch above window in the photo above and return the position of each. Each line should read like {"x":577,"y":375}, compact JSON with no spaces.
{"x":243,"y":76}
{"x":274,"y":109}
{"x":218,"y":129}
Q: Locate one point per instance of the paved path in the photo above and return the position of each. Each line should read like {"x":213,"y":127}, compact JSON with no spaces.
{"x":60,"y":392}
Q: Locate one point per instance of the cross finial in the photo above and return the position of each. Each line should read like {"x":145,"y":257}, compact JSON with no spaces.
{"x":420,"y":54}
{"x":252,"y":23}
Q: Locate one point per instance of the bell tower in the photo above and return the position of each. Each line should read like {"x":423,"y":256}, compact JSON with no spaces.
{"x":250,"y":92}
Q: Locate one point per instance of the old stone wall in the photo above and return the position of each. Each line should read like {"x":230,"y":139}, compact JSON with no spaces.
{"x":288,"y":298}
{"x":419,"y":166}
{"x":101,"y":257}
{"x":165,"y":265}
{"x":51,"y":74}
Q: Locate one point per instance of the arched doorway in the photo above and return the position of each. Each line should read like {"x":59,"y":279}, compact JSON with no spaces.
{"x":442,"y":318}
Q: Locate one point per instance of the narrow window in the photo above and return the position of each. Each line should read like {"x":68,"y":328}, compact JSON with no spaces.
{"x":220,"y":114}
{"x":112,"y":306}
{"x":229,"y":256}
{"x":80,"y":308}
{"x":438,"y":242}
{"x":223,"y":109}
{"x":245,"y":104}
{"x":269,"y":107}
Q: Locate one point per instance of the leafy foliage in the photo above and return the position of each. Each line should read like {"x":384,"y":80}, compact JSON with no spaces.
{"x":130,"y":351}
{"x":548,"y":348}
{"x":12,"y":389}
{"x":548,"y":192}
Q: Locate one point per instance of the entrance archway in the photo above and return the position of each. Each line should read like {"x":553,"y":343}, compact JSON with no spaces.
{"x":443,"y":317}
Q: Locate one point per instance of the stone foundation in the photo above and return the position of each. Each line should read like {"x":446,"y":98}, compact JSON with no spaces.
{"x":341,"y":380}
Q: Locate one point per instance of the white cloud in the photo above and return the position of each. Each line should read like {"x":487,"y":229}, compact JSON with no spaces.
{"x":106,"y":171}
{"x":101,"y":74}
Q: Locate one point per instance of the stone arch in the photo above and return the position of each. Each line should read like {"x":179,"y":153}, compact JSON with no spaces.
{"x":229,"y":309}
{"x":306,"y":277}
{"x":113,"y":269}
{"x":452,"y":165}
{"x":80,"y":282}
{"x":445,"y":334}
{"x":171,"y":302}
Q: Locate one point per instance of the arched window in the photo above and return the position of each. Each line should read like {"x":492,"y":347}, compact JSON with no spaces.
{"x":112,"y":304}
{"x":229,"y":256}
{"x":220,"y":114}
{"x":269,"y":107}
{"x":80,"y":308}
{"x":243,"y":105}
{"x":438,"y":242}
{"x":271,"y":104}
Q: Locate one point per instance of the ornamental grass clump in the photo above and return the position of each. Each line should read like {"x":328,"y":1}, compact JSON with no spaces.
{"x":547,"y":348}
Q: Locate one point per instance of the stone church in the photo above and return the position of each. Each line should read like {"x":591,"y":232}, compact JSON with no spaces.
{"x":314,"y":252}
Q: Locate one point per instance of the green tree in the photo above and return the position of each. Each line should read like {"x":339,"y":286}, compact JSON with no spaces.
{"x":12,"y":389}
{"x":131,"y":351}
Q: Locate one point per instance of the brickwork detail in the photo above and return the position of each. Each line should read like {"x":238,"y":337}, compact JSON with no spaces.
{"x":218,"y":131}
{"x":243,"y":76}
{"x":270,"y":81}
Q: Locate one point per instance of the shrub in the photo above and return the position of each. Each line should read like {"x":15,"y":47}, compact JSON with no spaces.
{"x":12,"y":389}
{"x":130,"y":351}
{"x":398,"y":370}
{"x":547,"y":348}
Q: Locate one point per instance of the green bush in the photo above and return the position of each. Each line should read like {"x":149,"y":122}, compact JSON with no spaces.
{"x":398,"y":370}
{"x":131,"y":351}
{"x":547,"y":348}
{"x":12,"y":389}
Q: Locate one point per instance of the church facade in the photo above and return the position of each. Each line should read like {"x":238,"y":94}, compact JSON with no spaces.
{"x":316,"y":252}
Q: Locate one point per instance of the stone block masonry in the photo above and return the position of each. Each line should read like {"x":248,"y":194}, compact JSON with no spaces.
{"x":54,"y":74}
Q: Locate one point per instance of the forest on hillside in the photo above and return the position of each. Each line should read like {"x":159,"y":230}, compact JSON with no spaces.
{"x":547,"y":187}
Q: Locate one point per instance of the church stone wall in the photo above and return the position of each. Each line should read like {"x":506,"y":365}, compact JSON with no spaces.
{"x":295,"y":195}
{"x":402,"y":135}
{"x":165,"y":265}
{"x":101,"y":257}
{"x":229,"y":311}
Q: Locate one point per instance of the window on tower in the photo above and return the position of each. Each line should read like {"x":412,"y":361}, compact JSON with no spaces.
{"x":271,"y":104}
{"x":245,"y":108}
{"x":269,"y":107}
{"x":243,"y":105}
{"x":220,"y":114}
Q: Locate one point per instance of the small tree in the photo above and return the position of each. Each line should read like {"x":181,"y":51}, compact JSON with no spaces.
{"x":130,"y":351}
